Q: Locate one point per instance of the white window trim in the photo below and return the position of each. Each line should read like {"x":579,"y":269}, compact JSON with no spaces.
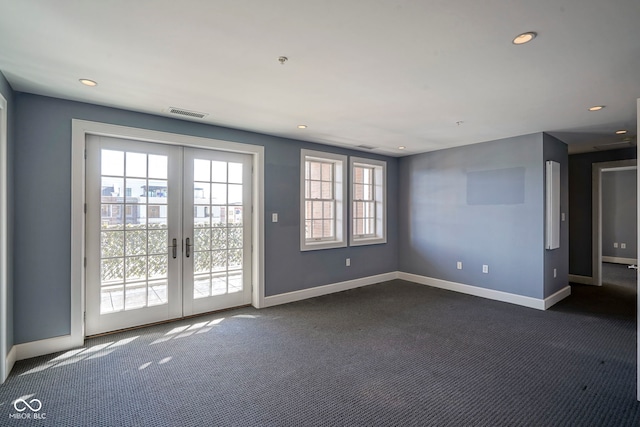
{"x":380,"y":196}
{"x":340,"y":192}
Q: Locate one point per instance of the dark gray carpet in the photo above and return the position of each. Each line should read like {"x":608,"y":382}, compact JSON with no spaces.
{"x":619,"y":274}
{"x":392,"y":354}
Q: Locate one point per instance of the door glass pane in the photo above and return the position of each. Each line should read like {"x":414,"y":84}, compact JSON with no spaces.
{"x":136,"y":164}
{"x":218,"y":255}
{"x":134,"y":238}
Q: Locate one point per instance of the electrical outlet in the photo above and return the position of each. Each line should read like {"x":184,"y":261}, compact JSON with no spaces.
{"x":623,"y":246}
{"x":615,"y":245}
{"x":459,"y":265}
{"x":348,"y":262}
{"x":485,"y":268}
{"x":274,"y":217}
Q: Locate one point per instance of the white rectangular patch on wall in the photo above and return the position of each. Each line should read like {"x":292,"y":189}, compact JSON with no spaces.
{"x":552,"y":203}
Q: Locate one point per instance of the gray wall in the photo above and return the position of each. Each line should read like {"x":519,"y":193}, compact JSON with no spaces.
{"x":42,"y":212}
{"x":558,"y":259}
{"x":580,"y":166}
{"x":7,"y":92}
{"x":440,"y":223}
{"x":619,"y":213}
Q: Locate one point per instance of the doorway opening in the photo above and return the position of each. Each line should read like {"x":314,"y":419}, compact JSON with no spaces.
{"x":614,"y":246}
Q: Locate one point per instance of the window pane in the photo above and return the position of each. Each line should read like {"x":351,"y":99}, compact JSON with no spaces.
{"x":218,"y":216}
{"x":136,"y":242}
{"x":201,"y":239}
{"x":219,"y":238}
{"x":327,"y":172}
{"x":327,"y":210}
{"x":136,"y":164}
{"x":158,"y":166}
{"x":235,"y":173}
{"x":316,"y":190}
{"x":111,"y":217}
{"x":136,"y":268}
{"x":327,"y":190}
{"x":315,"y":169}
{"x":317,"y":210}
{"x":367,"y":192}
{"x":111,"y":190}
{"x":112,"y":244}
{"x":111,"y":299}
{"x":218,"y":171}
{"x":235,"y":194}
{"x":327,"y":228}
{"x":158,"y":241}
{"x":112,"y":162}
{"x":201,"y":170}
{"x":135,"y":296}
{"x":157,"y":190}
{"x":219,"y":194}
{"x":202,"y":193}
{"x":157,"y":293}
{"x":370,"y":226}
{"x":235,"y":215}
{"x":135,"y":190}
{"x":358,"y":174}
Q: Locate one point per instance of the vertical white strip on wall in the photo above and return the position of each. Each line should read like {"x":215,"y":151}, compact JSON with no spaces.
{"x":4,"y":306}
{"x":638,"y":312}
{"x":552,"y":205}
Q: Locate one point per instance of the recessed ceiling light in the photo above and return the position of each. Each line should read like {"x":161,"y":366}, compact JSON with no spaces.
{"x":402,"y":147}
{"x":596,"y":108}
{"x":525,"y":37}
{"x":621,"y":132}
{"x":302,"y":126}
{"x":88,"y":82}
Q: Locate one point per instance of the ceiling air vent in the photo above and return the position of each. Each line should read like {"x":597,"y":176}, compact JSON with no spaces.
{"x":187,"y":113}
{"x":366,"y":147}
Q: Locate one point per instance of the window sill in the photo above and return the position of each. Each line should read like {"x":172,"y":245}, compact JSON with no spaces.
{"x":316,"y":246}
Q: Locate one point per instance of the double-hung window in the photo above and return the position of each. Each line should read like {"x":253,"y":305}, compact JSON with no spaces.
{"x":323,"y":206}
{"x":368,"y":201}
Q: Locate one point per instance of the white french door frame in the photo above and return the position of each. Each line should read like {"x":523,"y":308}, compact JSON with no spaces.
{"x":4,"y":304}
{"x":79,"y":132}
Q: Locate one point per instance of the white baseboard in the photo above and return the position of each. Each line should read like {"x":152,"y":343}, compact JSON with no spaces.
{"x":538,"y":304}
{"x":10,"y":361}
{"x":42,"y":347}
{"x":619,"y":260}
{"x":62,"y":343}
{"x":327,"y":289}
{"x":557,"y":297}
{"x":583,"y":280}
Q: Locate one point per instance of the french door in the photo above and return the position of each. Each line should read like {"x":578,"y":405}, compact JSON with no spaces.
{"x":168,"y":232}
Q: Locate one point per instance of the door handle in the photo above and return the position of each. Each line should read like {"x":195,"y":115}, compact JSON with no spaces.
{"x":174,"y":248}
{"x":188,"y":248}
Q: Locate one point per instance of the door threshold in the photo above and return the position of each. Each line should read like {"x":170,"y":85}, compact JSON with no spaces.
{"x":162,"y":322}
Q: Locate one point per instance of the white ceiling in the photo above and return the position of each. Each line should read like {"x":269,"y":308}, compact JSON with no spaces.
{"x":379,"y":73}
